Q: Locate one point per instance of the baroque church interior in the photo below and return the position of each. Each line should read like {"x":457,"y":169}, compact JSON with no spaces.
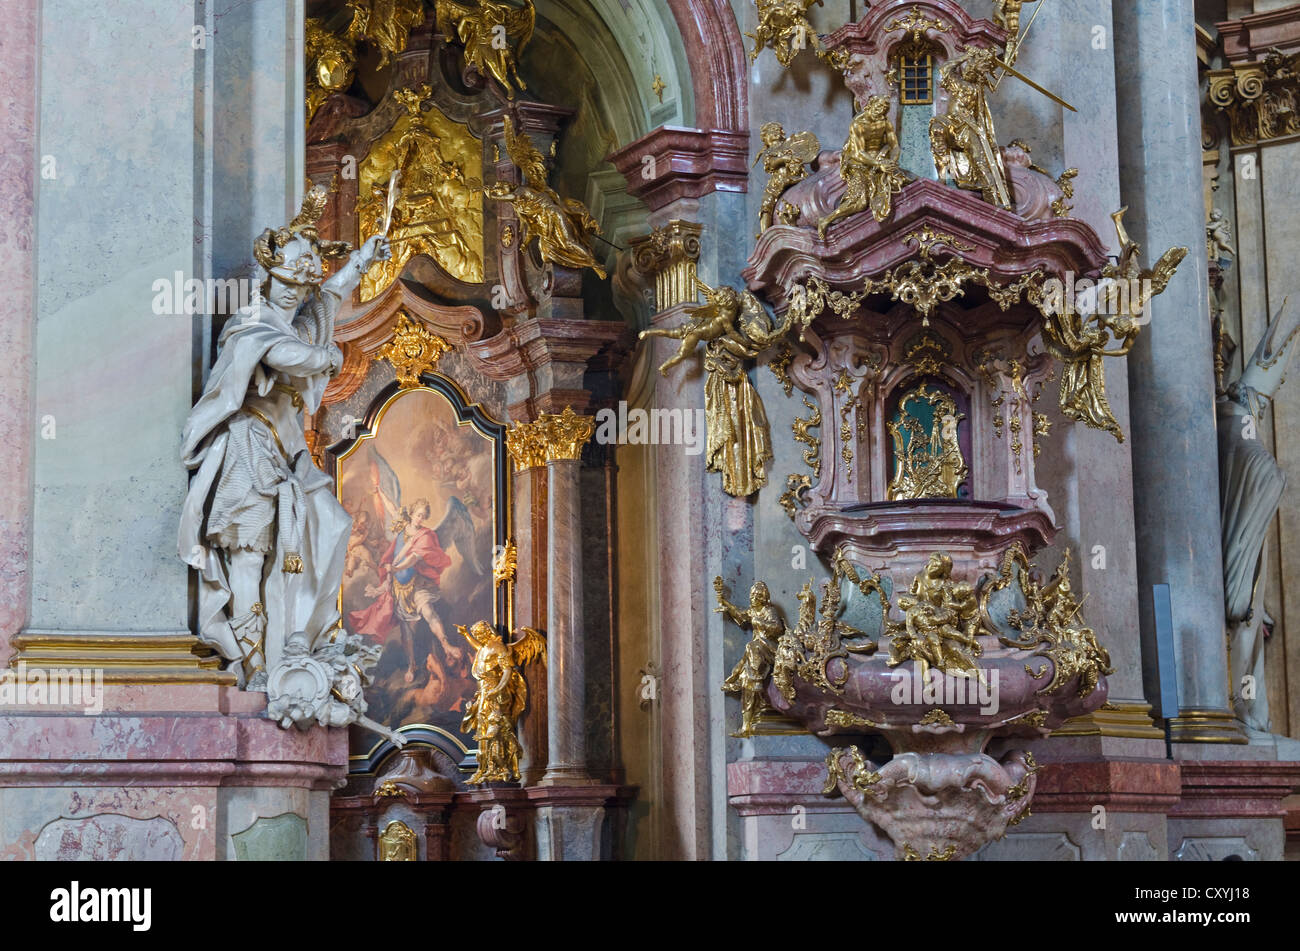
{"x":468,"y":430}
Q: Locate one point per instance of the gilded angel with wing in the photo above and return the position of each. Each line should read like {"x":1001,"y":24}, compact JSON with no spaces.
{"x":562,"y":226}
{"x":1080,"y":338}
{"x":493,"y":34}
{"x":735,"y":329}
{"x":501,"y":697}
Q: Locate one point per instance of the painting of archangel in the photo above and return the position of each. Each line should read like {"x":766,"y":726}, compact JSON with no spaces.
{"x":422,"y":492}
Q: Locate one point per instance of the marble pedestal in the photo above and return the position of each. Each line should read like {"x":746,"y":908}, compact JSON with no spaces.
{"x":189,"y":771}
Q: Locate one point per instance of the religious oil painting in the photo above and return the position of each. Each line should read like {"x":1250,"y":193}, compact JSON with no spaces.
{"x":423,"y":487}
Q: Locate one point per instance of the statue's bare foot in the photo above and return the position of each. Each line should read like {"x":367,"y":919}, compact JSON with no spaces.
{"x":409,"y":677}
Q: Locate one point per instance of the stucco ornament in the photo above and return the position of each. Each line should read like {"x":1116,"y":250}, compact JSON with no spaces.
{"x":261,"y":524}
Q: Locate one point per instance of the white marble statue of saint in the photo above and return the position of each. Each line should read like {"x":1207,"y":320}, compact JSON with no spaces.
{"x":261,"y":523}
{"x":1250,"y":490}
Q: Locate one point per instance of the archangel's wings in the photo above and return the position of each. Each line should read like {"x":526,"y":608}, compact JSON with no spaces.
{"x":527,"y":647}
{"x":457,"y":529}
{"x":802,"y":146}
{"x":1165,"y":268}
{"x":519,"y":26}
{"x":449,"y":14}
{"x":527,"y":159}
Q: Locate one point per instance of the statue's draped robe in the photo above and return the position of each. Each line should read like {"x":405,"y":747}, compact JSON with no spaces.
{"x":1250,"y":490}
{"x":230,"y":446}
{"x":739,"y":445}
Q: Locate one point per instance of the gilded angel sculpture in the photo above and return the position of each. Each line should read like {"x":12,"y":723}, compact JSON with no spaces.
{"x":786,"y":160}
{"x":501,"y":698}
{"x":385,"y":23}
{"x":562,"y":226}
{"x":868,"y":165}
{"x":494,"y":35}
{"x":783,"y":25}
{"x":964,"y":144}
{"x":1079,"y":337}
{"x":749,"y":678}
{"x":734,"y":328}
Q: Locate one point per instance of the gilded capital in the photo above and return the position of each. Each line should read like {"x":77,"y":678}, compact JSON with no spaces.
{"x":565,"y":434}
{"x":526,"y":446}
{"x":669,"y":254}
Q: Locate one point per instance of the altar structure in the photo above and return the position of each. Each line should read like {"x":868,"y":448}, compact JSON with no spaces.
{"x":702,"y":429}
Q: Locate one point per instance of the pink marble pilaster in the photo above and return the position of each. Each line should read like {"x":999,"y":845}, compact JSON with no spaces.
{"x":18,"y":94}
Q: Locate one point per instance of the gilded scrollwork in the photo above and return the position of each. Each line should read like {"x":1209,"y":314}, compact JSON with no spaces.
{"x":331,"y":64}
{"x":793,"y":496}
{"x":386,"y":24}
{"x":811,"y":455}
{"x":858,"y":774}
{"x":412,"y":350}
{"x":1049,"y":624}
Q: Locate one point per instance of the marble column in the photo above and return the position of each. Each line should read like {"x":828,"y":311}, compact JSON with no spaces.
{"x":1171,"y":370}
{"x":529,"y":457}
{"x":566,"y":723}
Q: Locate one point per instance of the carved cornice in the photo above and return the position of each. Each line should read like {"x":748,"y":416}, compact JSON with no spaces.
{"x":530,"y":345}
{"x":1251,"y":37}
{"x":1007,"y":246}
{"x":670,"y":254}
{"x":1261,"y":99}
{"x":672,"y":163}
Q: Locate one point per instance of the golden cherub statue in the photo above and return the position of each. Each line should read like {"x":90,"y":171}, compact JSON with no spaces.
{"x":785,"y":159}
{"x":749,"y":678}
{"x":963,"y":141}
{"x":501,"y":697}
{"x":783,"y":25}
{"x":494,"y":35}
{"x":734,"y":328}
{"x":562,"y":226}
{"x":868,"y":165}
{"x":940,"y":620}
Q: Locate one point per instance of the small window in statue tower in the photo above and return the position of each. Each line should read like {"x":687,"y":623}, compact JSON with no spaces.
{"x":917,"y":87}
{"x":928,"y":462}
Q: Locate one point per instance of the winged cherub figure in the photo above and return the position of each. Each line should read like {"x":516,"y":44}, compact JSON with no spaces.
{"x":735,"y":329}
{"x":501,"y":698}
{"x":562,"y":226}
{"x":494,"y":35}
{"x":785,"y":159}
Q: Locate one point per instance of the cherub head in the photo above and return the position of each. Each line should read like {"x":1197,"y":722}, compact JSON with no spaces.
{"x":771,"y":133}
